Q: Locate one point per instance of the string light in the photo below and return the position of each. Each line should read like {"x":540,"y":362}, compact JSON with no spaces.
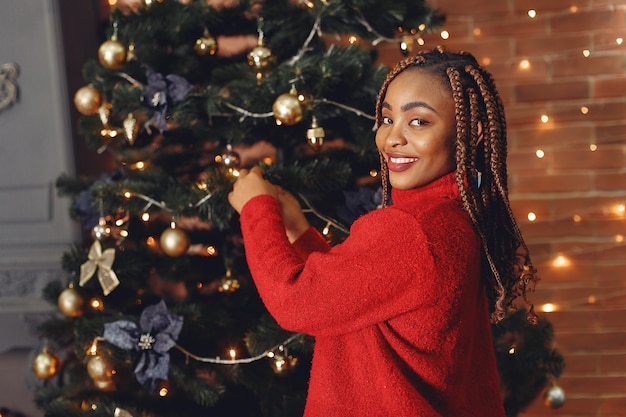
{"x":561,"y":261}
{"x":593,"y":147}
{"x":586,"y":53}
{"x":445,"y":34}
{"x":532,"y":216}
{"x":545,"y":118}
{"x":584,"y":109}
{"x":549,"y":307}
{"x":540,"y":153}
{"x":532,"y":13}
{"x":524,"y":64}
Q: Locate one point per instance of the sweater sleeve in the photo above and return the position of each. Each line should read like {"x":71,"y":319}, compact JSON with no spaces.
{"x":383,"y":269}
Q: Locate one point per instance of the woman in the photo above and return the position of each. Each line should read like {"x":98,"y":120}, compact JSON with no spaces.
{"x":401,"y":309}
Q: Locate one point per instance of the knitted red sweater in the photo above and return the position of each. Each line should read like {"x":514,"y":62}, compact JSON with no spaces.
{"x":398,"y":311}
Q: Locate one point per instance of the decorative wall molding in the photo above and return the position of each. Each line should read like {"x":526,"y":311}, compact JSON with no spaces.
{"x":8,"y":85}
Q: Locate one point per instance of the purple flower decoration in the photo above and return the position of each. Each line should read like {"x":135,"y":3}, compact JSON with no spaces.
{"x":163,"y":90}
{"x":153,"y":338}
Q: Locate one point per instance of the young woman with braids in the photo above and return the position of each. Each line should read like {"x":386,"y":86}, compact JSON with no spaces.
{"x":401,"y":309}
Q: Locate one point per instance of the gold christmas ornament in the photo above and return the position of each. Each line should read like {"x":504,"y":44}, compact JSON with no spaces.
{"x":260,"y":57}
{"x":112,"y":53}
{"x":100,"y":368}
{"x":87,"y":100}
{"x":230,"y":158}
{"x":71,"y":302}
{"x":315,"y":135}
{"x":206,"y":45}
{"x":46,"y":364}
{"x":174,"y":242}
{"x":287,"y":109}
{"x":101,"y":261}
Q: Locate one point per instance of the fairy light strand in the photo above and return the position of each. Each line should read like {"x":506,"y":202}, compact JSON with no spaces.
{"x":218,"y":360}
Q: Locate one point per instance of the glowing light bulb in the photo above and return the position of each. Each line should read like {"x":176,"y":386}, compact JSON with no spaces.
{"x":620,"y":209}
{"x":549,"y":307}
{"x":532,"y":216}
{"x":619,"y":41}
{"x":591,"y":299}
{"x":545,"y":118}
{"x":532,"y":13}
{"x":577,"y":218}
{"x":561,"y":261}
{"x":586,"y":53}
{"x":476,"y":31}
{"x":524,"y":64}
{"x":232,"y":353}
{"x":584,"y":109}
{"x":445,"y":34}
{"x":540,"y":153}
{"x":486,"y":60}
{"x":145,"y":216}
{"x":619,"y":238}
{"x":421,"y":41}
{"x":512,"y":350}
{"x":593,"y":147}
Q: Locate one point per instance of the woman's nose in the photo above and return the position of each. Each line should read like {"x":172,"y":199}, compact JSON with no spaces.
{"x":396,"y":138}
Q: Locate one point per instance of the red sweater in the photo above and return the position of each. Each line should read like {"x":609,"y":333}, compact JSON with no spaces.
{"x":398,"y":312}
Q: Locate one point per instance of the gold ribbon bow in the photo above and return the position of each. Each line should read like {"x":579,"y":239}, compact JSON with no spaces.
{"x":102,"y":261}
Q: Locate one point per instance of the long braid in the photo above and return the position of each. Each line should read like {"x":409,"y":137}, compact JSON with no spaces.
{"x":477,"y":103}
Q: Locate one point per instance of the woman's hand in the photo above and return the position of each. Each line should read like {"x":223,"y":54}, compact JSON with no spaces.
{"x":250,"y":184}
{"x":293,"y":217}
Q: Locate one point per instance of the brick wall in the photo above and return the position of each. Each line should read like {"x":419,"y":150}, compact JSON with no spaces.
{"x":578,"y":188}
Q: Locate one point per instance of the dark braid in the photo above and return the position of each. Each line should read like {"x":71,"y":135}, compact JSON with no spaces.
{"x":506,"y":264}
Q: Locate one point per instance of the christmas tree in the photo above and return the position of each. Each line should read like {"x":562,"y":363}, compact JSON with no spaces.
{"x":159,"y":314}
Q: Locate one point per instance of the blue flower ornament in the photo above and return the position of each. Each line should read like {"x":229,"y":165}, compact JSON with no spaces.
{"x":155,"y":335}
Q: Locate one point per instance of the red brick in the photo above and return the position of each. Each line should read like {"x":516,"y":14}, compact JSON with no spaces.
{"x":589,"y":342}
{"x":548,"y":136}
{"x":516,"y":26}
{"x":610,"y":182}
{"x":587,"y":206}
{"x":509,"y":70}
{"x":573,"y":407}
{"x":597,"y":112}
{"x":471,"y":7}
{"x":552,"y":5}
{"x":611,"y":133}
{"x":552,"y":91}
{"x":613,"y":406}
{"x":553,"y":183}
{"x":576,"y":65}
{"x":607,"y":42}
{"x":588,"y":20}
{"x":609,"y":87}
{"x":609,"y":362}
{"x":527,"y":162}
{"x":539,"y":46}
{"x":605,"y":157}
{"x":521,"y":207}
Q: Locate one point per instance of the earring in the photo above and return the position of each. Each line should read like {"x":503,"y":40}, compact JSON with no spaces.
{"x":479,"y":177}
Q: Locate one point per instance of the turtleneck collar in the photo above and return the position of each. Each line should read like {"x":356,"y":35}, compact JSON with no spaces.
{"x":445,"y":187}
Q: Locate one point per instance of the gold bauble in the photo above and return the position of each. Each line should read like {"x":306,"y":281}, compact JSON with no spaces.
{"x":112,"y":54}
{"x":260,"y":57}
{"x":206,"y":45}
{"x":287,"y":109}
{"x":174,"y":242}
{"x":71,"y":302}
{"x":46,"y":364}
{"x":88,"y":100}
{"x":315,"y":136}
{"x":100,"y":368}
{"x":105,"y":386}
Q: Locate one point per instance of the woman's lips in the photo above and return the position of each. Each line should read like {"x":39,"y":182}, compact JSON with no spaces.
{"x":400,"y":163}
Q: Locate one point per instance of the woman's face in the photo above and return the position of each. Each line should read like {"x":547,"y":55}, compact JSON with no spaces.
{"x":418,"y":130}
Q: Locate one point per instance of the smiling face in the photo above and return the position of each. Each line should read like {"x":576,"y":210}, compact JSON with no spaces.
{"x":418,"y":130}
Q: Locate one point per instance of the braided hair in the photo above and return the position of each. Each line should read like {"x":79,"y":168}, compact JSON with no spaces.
{"x":481,"y":151}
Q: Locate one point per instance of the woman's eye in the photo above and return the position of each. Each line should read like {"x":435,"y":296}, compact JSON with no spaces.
{"x":418,"y":122}
{"x":387,"y":120}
